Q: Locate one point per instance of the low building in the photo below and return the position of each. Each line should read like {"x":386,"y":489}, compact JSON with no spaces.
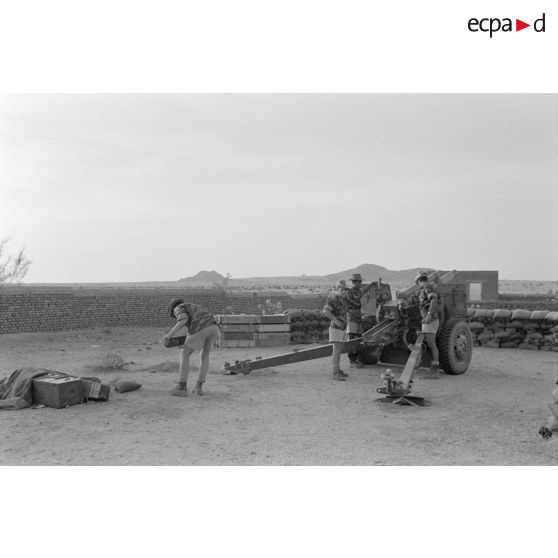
{"x":481,"y":285}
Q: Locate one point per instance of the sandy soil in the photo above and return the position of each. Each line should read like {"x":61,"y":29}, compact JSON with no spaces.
{"x":289,"y":415}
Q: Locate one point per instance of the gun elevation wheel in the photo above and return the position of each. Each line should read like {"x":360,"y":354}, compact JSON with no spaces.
{"x":456,"y":346}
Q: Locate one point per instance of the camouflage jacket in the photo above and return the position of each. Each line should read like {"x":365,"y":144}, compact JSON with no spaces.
{"x":337,"y":305}
{"x":428,"y":297}
{"x":354,"y":309}
{"x":195,"y":317}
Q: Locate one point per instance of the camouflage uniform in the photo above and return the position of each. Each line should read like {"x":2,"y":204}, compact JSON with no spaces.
{"x":195,"y":317}
{"x":337,"y":305}
{"x":354,"y":315}
{"x":354,"y":311}
{"x":202,"y":335}
{"x":428,"y":298}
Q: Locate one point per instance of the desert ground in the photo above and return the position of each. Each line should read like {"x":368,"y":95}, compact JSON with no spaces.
{"x":289,"y":415}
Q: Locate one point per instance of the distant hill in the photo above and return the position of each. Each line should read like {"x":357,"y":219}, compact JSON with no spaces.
{"x":204,"y":277}
{"x":372,"y":272}
{"x":369,"y":272}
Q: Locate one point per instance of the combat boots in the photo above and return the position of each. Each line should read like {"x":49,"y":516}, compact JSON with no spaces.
{"x":180,"y":390}
{"x":432,"y":373}
{"x":340,"y":376}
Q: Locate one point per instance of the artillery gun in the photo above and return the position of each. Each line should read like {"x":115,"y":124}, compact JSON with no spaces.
{"x":396,"y":339}
{"x":399,"y":326}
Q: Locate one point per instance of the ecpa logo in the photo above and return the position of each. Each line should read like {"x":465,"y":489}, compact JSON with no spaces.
{"x":493,"y":25}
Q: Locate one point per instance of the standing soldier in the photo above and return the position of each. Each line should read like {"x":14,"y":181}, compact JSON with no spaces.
{"x":428,"y":304}
{"x":354,"y":315}
{"x":373,"y":294}
{"x":336,"y":310}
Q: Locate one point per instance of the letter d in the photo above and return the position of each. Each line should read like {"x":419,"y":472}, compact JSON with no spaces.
{"x":535,"y":25}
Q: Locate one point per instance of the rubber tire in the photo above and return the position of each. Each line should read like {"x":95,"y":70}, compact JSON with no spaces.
{"x":446,"y":346}
{"x":369,"y":356}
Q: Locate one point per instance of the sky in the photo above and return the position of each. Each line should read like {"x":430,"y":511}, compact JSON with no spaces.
{"x":145,"y":187}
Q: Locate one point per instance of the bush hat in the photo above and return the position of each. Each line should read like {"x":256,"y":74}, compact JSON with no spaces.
{"x":173,"y":304}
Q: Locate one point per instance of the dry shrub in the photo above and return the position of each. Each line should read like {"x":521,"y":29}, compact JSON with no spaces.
{"x":109,"y":361}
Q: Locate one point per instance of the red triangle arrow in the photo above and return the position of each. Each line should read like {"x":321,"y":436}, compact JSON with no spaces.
{"x":519,"y":25}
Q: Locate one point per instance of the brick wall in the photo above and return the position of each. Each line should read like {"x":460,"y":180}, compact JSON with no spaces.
{"x":26,"y":309}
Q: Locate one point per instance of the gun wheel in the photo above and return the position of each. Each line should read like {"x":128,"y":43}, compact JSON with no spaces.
{"x":456,"y":346}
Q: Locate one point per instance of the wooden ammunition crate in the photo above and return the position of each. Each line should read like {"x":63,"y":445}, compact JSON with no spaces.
{"x":274,"y":339}
{"x":237,"y":343}
{"x":275,"y":319}
{"x":241,"y":330}
{"x":95,"y":391}
{"x":57,"y":391}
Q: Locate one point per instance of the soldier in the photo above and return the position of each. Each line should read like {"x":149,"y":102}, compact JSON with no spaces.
{"x":336,"y":310}
{"x":354,"y":315}
{"x":358,"y":294}
{"x":428,"y":304}
{"x":202,"y":334}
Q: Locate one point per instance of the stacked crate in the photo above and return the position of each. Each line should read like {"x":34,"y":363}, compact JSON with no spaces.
{"x":254,"y":331}
{"x":274,"y":330}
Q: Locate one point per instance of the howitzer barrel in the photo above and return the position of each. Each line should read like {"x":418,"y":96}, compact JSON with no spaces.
{"x":434,"y":276}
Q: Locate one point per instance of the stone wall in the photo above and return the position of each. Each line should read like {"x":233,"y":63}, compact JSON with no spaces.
{"x":27,"y":309}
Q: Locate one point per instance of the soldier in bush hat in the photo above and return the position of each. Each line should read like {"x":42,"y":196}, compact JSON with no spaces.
{"x":202,"y":334}
{"x":336,"y":310}
{"x":421,"y":277}
{"x":428,"y":305}
{"x":354,"y":315}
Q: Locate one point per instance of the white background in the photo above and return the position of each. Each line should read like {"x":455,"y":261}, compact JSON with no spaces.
{"x":286,"y":46}
{"x":273,"y":46}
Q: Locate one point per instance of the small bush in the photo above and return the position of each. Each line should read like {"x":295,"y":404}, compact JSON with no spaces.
{"x":109,"y":361}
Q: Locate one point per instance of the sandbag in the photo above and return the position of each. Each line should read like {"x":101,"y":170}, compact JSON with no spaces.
{"x":534,"y":335}
{"x":502,"y":335}
{"x":528,"y":347}
{"x":296,"y":315}
{"x":539,"y":314}
{"x":517,"y":335}
{"x":492,"y":344}
{"x":475,"y":325}
{"x":470,"y":312}
{"x":517,"y":324}
{"x":483,"y":313}
{"x":122,"y":386}
{"x":521,"y":314}
{"x":297,"y":338}
{"x":486,"y":336}
{"x":502,"y":314}
{"x":552,"y":317}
